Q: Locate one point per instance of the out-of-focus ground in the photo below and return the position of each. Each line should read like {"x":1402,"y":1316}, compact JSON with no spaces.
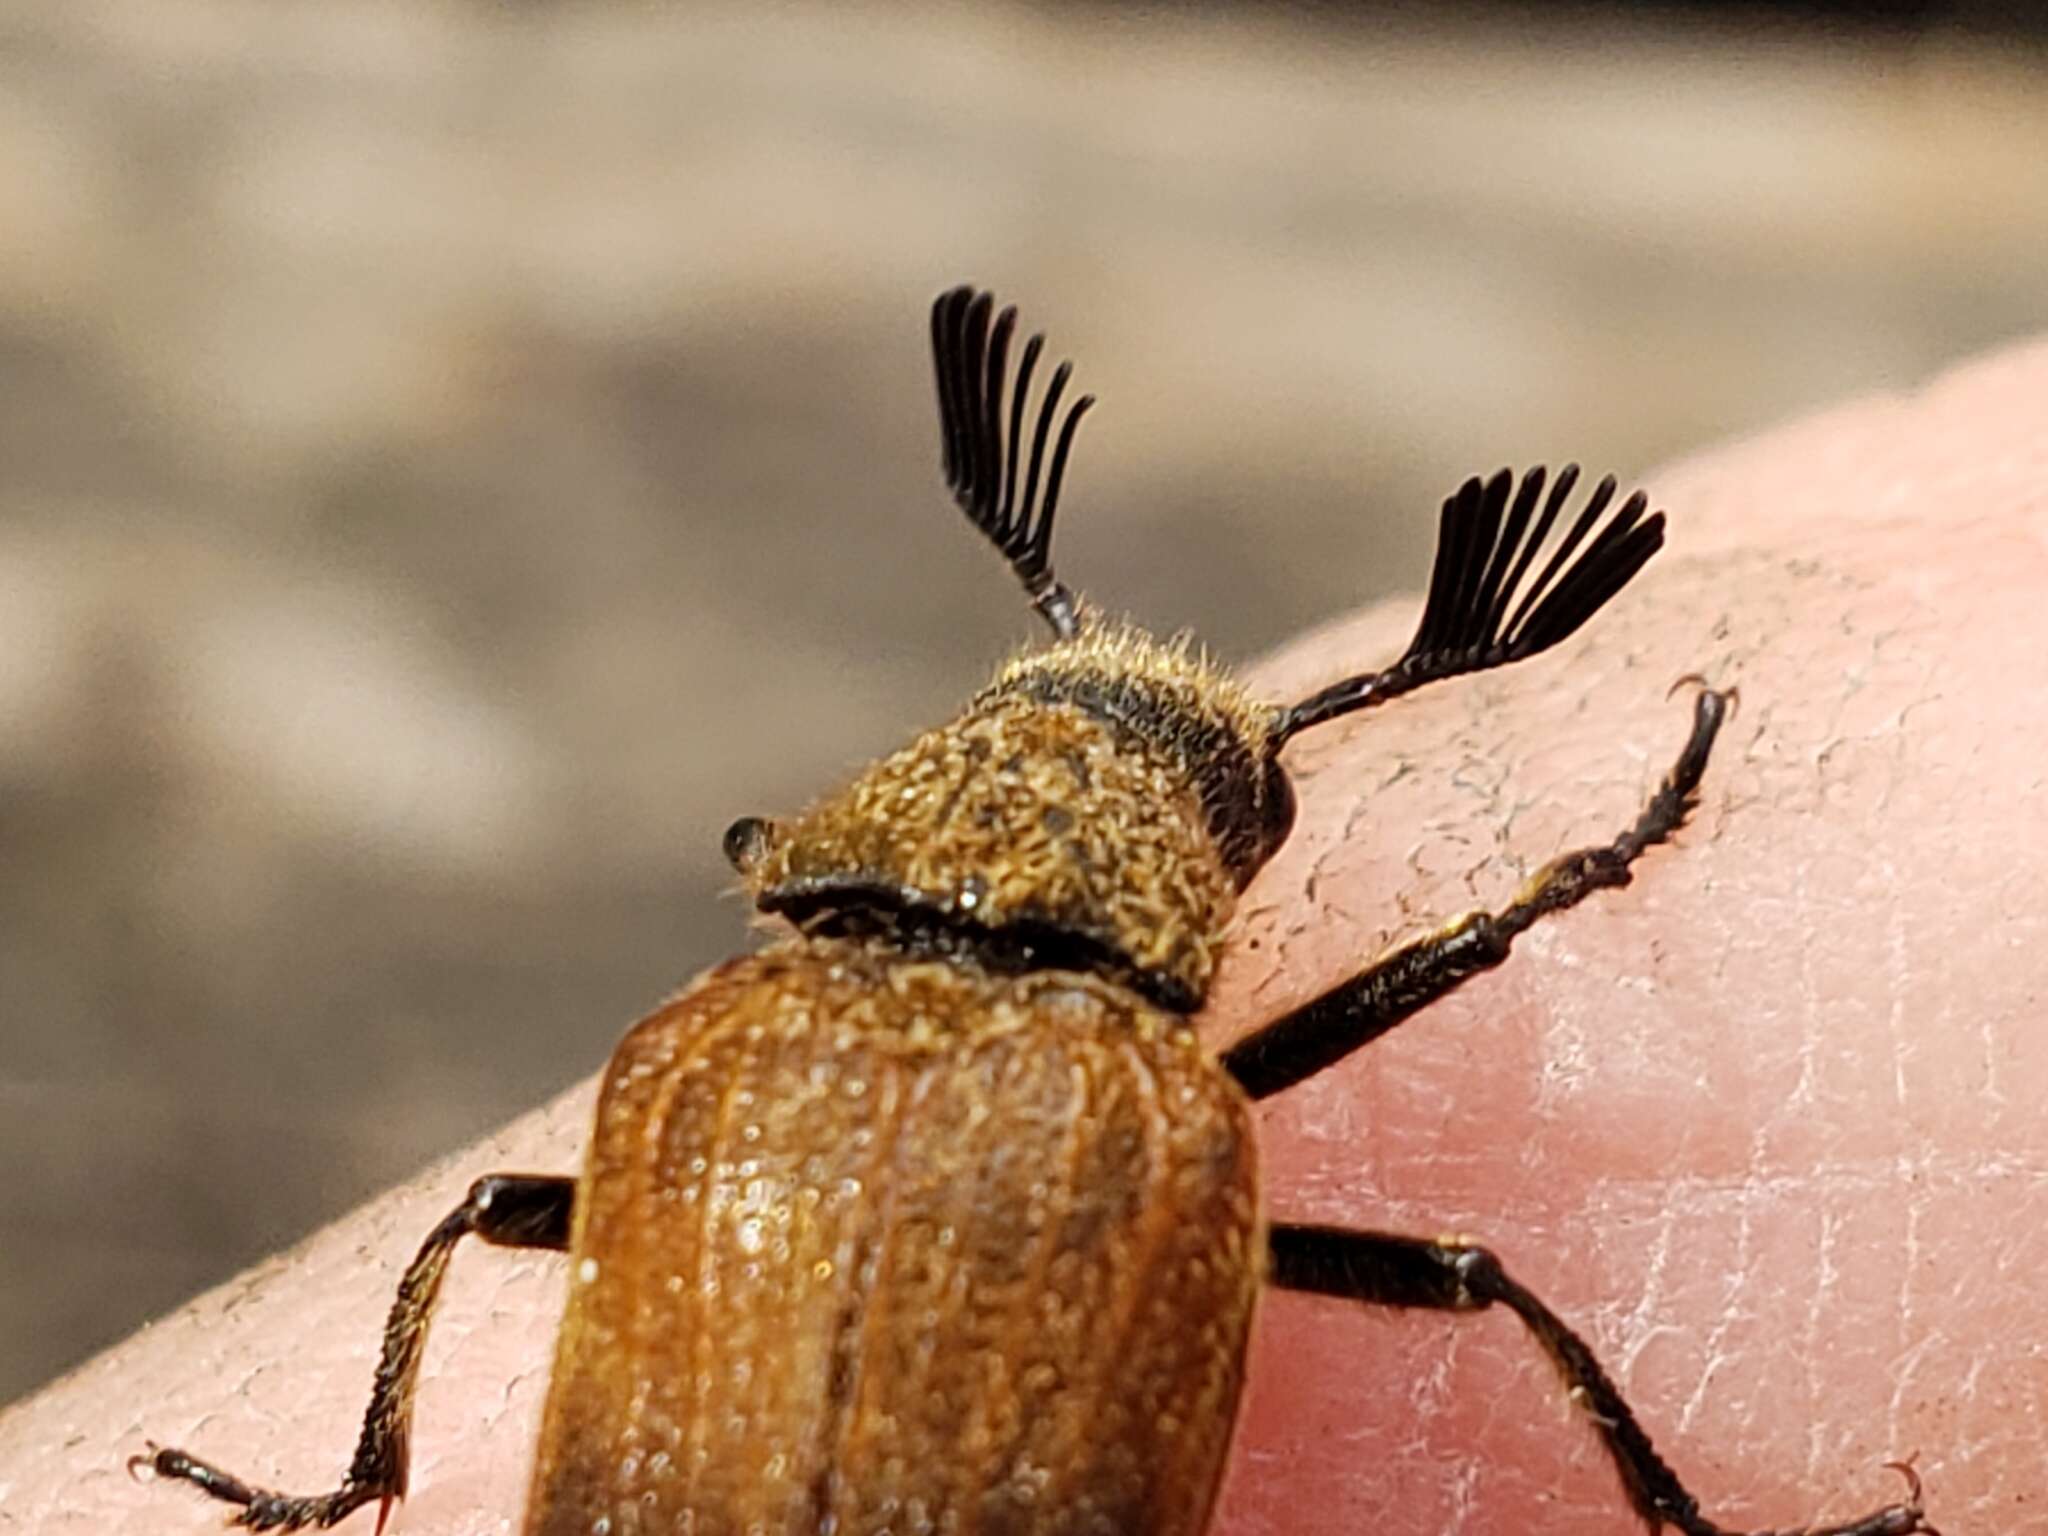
{"x":454,"y":459}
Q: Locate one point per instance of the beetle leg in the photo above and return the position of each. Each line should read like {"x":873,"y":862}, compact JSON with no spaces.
{"x":507,"y":1210}
{"x":1356,"y":1012}
{"x":1388,"y":1270}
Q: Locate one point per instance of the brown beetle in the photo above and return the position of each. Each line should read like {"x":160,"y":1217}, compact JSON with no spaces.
{"x":933,"y":1216}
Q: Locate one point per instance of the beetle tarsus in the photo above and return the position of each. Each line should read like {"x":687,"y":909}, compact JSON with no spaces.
{"x":1389,"y":1270}
{"x":260,"y":1508}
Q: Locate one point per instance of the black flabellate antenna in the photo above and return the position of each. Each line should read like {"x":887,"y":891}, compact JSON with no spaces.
{"x":1485,"y":546}
{"x":970,"y":358}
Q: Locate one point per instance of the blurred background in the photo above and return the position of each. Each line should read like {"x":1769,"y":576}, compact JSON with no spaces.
{"x":457,"y":457}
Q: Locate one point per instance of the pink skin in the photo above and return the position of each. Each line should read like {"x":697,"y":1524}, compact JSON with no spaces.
{"x":1767,"y":1127}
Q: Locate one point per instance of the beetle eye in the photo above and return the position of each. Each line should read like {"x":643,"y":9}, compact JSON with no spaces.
{"x":746,"y":840}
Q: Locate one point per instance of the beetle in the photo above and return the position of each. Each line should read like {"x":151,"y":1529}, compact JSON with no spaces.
{"x":933,"y":1214}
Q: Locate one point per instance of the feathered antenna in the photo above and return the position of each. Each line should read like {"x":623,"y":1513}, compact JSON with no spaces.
{"x":970,"y":357}
{"x":1484,"y":548}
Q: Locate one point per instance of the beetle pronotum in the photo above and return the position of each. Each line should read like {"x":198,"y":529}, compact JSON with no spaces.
{"x":933,"y":1215}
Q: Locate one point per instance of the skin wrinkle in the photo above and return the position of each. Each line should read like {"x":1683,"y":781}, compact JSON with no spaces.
{"x":1639,"y":1327}
{"x":1824,"y":1280}
{"x":1895,"y":974}
{"x":1915,"y":1351}
{"x":1806,"y":1091}
{"x":1734,"y":1284}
